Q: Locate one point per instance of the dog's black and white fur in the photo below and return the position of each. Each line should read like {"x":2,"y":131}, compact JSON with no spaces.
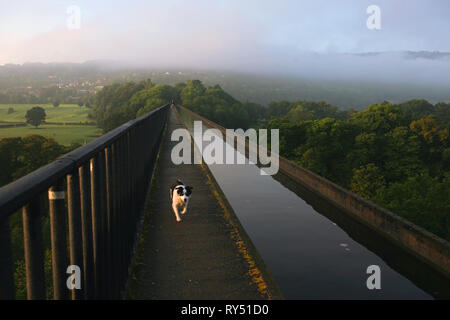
{"x":180,"y":194}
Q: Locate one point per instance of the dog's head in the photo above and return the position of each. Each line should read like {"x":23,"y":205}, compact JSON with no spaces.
{"x":188,"y":191}
{"x":184,"y":192}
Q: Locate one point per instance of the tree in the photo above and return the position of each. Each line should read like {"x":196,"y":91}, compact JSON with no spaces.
{"x":10,"y":160}
{"x":367,"y":180}
{"x":147,"y":84}
{"x":416,"y":109}
{"x":56,"y":103}
{"x":192,"y":90}
{"x":278,"y":109}
{"x":421,"y":199}
{"x":435,"y":142}
{"x":37,"y":151}
{"x":299,"y":113}
{"x":328,"y":141}
{"x":401,"y":155}
{"x":430,"y":130}
{"x":292,"y":136}
{"x":19,"y":156}
{"x":255,"y":111}
{"x":179,"y":86}
{"x":110,"y":102}
{"x":379,"y":118}
{"x":35,"y":116}
{"x":442,"y":111}
{"x":146,"y":100}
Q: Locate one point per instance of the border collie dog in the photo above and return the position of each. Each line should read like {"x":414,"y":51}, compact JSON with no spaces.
{"x":180,"y":194}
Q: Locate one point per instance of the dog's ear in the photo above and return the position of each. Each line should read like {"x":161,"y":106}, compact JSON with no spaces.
{"x":179,"y":190}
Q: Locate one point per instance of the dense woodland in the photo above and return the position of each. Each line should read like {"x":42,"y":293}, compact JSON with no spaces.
{"x":118,"y":103}
{"x":397,"y":155}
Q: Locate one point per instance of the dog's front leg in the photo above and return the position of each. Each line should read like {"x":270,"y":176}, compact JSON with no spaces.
{"x":185,"y":207}
{"x":175,"y":210}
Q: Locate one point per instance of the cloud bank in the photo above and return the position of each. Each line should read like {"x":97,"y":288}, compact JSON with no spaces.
{"x":302,"y":38}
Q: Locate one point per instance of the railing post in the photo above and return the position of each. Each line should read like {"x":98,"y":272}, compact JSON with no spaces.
{"x":115,"y":221}
{"x":133,"y":175}
{"x":104,"y":268}
{"x":34,"y":250}
{"x":6,"y":262}
{"x":110,"y":249}
{"x":75,"y":237}
{"x":95,"y":209}
{"x":131,"y":214}
{"x":118,"y":210}
{"x":141,"y":163}
{"x":86,"y":227}
{"x":123,"y":216}
{"x":56,"y":198}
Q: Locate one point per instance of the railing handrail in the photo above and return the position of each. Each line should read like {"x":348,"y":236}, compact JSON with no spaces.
{"x":17,"y":193}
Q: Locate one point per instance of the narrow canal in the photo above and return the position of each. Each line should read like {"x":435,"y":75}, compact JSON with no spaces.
{"x":313,"y":249}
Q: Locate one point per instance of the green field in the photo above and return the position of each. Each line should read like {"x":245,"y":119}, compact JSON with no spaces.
{"x":63,"y":113}
{"x":63,"y":134}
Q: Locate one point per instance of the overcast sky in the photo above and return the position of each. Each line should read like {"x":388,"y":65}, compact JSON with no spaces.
{"x":215,"y":33}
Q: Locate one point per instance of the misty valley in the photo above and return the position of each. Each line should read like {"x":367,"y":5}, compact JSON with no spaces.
{"x":225,"y":150}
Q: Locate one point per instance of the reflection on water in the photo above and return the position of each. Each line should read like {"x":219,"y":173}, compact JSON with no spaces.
{"x":314,"y":250}
{"x":400,"y":260}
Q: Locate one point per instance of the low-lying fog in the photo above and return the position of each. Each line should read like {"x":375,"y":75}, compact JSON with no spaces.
{"x":319,"y":39}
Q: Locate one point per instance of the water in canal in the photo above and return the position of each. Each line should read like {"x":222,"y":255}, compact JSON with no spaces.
{"x":313,"y":249}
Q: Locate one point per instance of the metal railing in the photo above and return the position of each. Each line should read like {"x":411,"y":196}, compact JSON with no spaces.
{"x":94,"y":196}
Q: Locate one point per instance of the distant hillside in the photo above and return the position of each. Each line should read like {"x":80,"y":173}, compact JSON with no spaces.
{"x":338,"y":79}
{"x":430,"y":55}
